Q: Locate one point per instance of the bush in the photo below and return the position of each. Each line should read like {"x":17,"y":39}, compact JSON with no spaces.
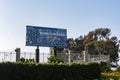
{"x":14,"y":71}
{"x":104,"y":67}
{"x":53,"y":59}
{"x":118,"y":69}
{"x":113,"y":75}
{"x":22,"y":60}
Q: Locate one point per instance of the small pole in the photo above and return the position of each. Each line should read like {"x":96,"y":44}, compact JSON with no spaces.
{"x":55,"y":52}
{"x":43,"y":57}
{"x":37,"y":55}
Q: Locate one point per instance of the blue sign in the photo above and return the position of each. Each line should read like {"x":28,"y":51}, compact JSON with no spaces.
{"x":44,"y":36}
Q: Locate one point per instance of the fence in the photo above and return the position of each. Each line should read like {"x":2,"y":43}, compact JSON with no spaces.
{"x":99,"y":58}
{"x":83,"y":57}
{"x":11,"y":56}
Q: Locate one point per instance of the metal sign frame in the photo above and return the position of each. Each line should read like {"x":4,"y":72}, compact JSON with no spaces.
{"x":45,"y":36}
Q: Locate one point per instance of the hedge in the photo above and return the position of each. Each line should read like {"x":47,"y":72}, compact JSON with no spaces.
{"x":113,"y":75}
{"x":15,"y":71}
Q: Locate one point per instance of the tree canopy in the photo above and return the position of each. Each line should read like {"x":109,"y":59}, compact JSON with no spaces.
{"x":98,"y":41}
{"x":76,"y":45}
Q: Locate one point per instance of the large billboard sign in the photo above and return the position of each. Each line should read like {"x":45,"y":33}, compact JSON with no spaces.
{"x":44,"y":36}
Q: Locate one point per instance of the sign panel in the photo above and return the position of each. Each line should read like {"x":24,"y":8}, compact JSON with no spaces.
{"x":44,"y":36}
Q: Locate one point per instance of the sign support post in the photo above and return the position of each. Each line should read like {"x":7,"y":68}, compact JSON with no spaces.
{"x":37,"y":55}
{"x":55,"y":51}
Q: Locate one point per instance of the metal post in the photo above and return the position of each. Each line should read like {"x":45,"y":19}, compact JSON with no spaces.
{"x":4,"y":57}
{"x":37,"y":55}
{"x":43,"y":57}
{"x":55,"y":52}
{"x":10,"y":56}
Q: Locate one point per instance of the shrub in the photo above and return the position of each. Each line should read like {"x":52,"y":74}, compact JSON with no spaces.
{"x":53,"y":59}
{"x":104,"y":67}
{"x":115,"y":75}
{"x":22,"y":60}
{"x":16,"y":71}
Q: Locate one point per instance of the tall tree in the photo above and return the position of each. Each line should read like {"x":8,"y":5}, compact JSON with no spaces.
{"x":76,"y":45}
{"x":99,"y":42}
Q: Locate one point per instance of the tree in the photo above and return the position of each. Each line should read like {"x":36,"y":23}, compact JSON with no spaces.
{"x":99,"y":42}
{"x":97,"y":35}
{"x":76,"y":45}
{"x":71,"y":43}
{"x":112,"y":47}
{"x":96,"y":42}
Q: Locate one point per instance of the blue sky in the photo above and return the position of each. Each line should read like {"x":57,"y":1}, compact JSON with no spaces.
{"x":77,"y":16}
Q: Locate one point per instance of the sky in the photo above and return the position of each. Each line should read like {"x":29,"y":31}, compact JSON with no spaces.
{"x":77,"y":16}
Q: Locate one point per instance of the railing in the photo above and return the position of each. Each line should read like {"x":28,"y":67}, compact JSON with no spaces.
{"x":11,"y":56}
{"x":99,"y":58}
{"x":77,"y":57}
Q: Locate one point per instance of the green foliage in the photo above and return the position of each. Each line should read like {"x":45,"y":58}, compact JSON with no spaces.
{"x":96,"y":42}
{"x":53,"y":59}
{"x":22,"y":60}
{"x":100,"y":42}
{"x":112,"y":75}
{"x":13,"y":71}
{"x":104,"y":67}
{"x":76,"y":45}
{"x":118,"y":69}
